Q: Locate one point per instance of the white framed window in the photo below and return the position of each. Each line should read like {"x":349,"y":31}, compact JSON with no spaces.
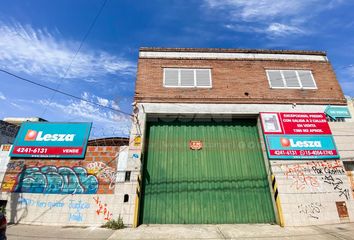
{"x":291,"y":79}
{"x":187,"y":77}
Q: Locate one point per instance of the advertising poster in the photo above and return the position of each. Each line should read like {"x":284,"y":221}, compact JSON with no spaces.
{"x":51,"y":140}
{"x":298,"y":136}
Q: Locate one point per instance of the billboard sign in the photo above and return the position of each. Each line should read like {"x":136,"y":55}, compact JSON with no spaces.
{"x":298,"y":136}
{"x":51,"y":140}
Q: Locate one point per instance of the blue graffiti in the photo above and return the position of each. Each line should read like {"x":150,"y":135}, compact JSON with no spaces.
{"x":75,"y":217}
{"x":56,"y":180}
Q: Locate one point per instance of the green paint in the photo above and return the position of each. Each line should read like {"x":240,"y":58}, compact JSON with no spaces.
{"x":225,"y":182}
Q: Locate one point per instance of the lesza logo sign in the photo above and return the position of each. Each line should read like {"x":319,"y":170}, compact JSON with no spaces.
{"x":33,"y":135}
{"x":305,"y":144}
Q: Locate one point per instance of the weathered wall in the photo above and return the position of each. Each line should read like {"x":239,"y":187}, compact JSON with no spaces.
{"x":343,"y":133}
{"x":68,"y":192}
{"x":8,"y":132}
{"x":4,"y":159}
{"x":309,"y":190}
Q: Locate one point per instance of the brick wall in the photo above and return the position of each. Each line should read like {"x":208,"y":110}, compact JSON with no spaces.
{"x":94,"y":174}
{"x":233,"y":79}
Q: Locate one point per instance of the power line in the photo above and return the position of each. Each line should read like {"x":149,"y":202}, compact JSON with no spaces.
{"x":64,"y":93}
{"x":78,"y":50}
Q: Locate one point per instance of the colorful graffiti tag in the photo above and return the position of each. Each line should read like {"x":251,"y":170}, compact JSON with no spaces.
{"x":103,"y":172}
{"x":52,"y":179}
{"x":96,"y":174}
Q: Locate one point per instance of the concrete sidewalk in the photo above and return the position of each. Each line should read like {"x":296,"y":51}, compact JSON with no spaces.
{"x":26,"y":232}
{"x":246,"y":231}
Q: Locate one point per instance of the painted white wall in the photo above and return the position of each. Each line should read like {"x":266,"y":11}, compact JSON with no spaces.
{"x":343,"y":133}
{"x":219,"y":55}
{"x":309,"y":190}
{"x":189,"y":108}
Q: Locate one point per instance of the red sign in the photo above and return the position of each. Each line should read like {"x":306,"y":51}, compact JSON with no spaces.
{"x":303,"y":153}
{"x":295,"y":123}
{"x":195,"y":145}
{"x":40,"y":151}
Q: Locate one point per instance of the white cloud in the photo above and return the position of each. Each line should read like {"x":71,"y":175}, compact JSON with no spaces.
{"x":248,"y":10}
{"x":106,"y":122}
{"x":279,"y":29}
{"x":272,"y":30}
{"x":103,"y":101}
{"x":274,"y":18}
{"x":38,"y":52}
{"x":2,"y":96}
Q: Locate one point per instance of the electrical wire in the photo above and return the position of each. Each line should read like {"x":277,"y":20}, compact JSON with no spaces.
{"x":77,"y":51}
{"x":64,"y":93}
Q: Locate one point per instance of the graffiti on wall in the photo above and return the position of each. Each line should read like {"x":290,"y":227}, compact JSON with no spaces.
{"x":40,"y":204}
{"x":103,"y":172}
{"x":86,"y":176}
{"x":311,"y":210}
{"x":316,"y":176}
{"x":337,"y":184}
{"x":76,"y":208}
{"x":52,"y":179}
{"x":102,"y":209}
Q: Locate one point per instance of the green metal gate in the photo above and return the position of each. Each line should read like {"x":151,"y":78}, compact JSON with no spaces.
{"x":224,"y":182}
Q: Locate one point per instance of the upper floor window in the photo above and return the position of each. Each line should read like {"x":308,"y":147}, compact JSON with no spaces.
{"x":297,"y":79}
{"x":186,"y":77}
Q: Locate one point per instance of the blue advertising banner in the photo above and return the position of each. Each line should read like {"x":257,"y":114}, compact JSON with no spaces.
{"x":301,"y":147}
{"x":51,"y":140}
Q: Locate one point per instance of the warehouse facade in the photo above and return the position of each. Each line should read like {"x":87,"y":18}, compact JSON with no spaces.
{"x":199,"y":152}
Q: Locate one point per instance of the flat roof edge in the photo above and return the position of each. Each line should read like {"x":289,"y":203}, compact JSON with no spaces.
{"x":232,"y":50}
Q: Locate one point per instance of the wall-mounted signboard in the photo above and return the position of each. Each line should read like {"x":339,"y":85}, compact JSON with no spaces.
{"x":298,"y":136}
{"x":335,"y":112}
{"x":51,"y":140}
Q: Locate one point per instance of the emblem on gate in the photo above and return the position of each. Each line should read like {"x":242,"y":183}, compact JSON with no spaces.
{"x":195,"y":145}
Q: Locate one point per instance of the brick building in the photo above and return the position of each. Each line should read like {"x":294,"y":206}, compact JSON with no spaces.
{"x":199,"y":152}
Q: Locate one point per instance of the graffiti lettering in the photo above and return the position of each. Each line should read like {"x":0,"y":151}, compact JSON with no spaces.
{"x":78,"y":204}
{"x":15,"y":165}
{"x":102,"y":209}
{"x":40,"y":204}
{"x":301,"y":180}
{"x":52,"y":179}
{"x":311,"y":210}
{"x":337,"y":184}
{"x":103,"y":172}
{"x":75,"y":217}
{"x":309,"y":175}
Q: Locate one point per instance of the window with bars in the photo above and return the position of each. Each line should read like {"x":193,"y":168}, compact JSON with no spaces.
{"x":291,"y":79}
{"x":186,"y":77}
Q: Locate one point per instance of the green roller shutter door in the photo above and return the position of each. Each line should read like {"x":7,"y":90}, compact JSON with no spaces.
{"x":224,"y":182}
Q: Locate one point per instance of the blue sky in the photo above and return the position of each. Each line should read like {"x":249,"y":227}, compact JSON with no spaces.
{"x":38,"y":40}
